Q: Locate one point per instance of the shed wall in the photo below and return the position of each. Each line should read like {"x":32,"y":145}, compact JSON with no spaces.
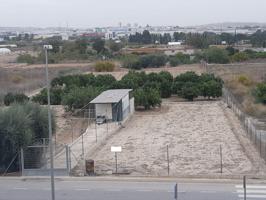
{"x":104,"y":110}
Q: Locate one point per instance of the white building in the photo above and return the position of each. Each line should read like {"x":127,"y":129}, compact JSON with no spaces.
{"x":174,"y":43}
{"x":4,"y":51}
{"x":110,"y":36}
{"x":115,"y":105}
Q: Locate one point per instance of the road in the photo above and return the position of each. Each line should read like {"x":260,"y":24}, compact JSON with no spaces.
{"x":118,"y":190}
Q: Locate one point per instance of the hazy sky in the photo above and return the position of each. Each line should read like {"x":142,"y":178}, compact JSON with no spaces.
{"x":91,"y":13}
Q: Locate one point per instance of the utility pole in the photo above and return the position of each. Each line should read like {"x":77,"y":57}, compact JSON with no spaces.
{"x":46,"y":48}
{"x":245,"y":187}
{"x":116,"y":162}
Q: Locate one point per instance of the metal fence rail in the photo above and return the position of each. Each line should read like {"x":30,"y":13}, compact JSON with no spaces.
{"x":35,"y":160}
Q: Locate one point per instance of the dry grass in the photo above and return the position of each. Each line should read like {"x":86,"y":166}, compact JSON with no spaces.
{"x":241,"y":79}
{"x":25,"y":79}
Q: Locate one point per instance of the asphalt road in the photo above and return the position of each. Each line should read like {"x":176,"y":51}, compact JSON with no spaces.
{"x":115,"y":190}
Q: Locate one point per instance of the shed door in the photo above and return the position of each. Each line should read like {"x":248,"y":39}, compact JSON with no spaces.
{"x":117,"y":111}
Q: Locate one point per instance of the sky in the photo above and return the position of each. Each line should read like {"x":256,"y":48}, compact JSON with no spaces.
{"x":99,"y":13}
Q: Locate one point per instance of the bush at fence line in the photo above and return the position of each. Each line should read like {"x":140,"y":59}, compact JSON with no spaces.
{"x":244,"y":80}
{"x":260,"y":93}
{"x":20,"y":125}
{"x":15,"y":98}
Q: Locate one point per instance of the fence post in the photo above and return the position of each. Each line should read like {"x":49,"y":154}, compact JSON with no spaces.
{"x":260,"y":144}
{"x":96,"y":137}
{"x":22,"y":161}
{"x":67,"y":158}
{"x":69,"y":153}
{"x":221,"y":158}
{"x":168,"y":165}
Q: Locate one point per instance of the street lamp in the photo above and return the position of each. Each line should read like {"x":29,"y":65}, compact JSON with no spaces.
{"x":46,"y":48}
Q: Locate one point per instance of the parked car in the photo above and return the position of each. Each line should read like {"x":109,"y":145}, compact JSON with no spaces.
{"x":100,"y":120}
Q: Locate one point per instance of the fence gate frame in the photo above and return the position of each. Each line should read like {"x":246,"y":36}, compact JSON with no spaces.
{"x":44,"y":170}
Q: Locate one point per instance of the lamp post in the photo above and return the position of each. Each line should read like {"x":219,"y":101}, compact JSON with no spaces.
{"x":46,"y":48}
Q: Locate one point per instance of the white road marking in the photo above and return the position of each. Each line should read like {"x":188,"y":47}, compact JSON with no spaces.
{"x":83,"y":189}
{"x":252,"y":191}
{"x":144,"y":190}
{"x":253,"y":196}
{"x":252,"y":186}
{"x":20,"y":188}
{"x":113,"y":190}
{"x":208,"y":192}
{"x":46,"y":188}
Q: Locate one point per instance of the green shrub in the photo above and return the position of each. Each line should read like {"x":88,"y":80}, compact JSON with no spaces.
{"x":131,"y":61}
{"x":133,"y":80}
{"x":260,"y":93}
{"x":26,"y":58}
{"x":239,"y":57}
{"x":104,"y":66}
{"x":77,"y":98}
{"x":147,"y":98}
{"x":145,"y":61}
{"x":189,"y":86}
{"x":244,"y":80}
{"x":210,"y":89}
{"x":20,"y":126}
{"x":15,"y":98}
{"x":179,"y":59}
{"x":189,"y":91}
{"x":216,"y":55}
{"x":188,"y":77}
{"x":74,"y":80}
{"x":106,"y":81}
{"x":55,"y":96}
{"x":156,"y":60}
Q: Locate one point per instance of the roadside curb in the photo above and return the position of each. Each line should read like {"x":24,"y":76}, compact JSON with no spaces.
{"x":251,"y":179}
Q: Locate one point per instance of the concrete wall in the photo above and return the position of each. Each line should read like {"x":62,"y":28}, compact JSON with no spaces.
{"x":132,"y":106}
{"x":125,"y":102}
{"x":126,"y":106}
{"x":104,"y":110}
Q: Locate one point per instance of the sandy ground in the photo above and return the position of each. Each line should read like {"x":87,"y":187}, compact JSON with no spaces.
{"x":194,"y":132}
{"x":68,"y":128}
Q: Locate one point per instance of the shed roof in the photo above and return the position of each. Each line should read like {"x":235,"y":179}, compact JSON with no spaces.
{"x":110,"y":96}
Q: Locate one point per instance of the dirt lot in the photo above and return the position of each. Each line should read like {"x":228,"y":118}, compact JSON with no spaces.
{"x":194,"y":132}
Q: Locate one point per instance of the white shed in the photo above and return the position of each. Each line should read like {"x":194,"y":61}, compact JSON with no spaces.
{"x":115,"y":105}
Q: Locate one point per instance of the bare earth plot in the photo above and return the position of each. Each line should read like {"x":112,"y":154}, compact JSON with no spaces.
{"x":194,"y":132}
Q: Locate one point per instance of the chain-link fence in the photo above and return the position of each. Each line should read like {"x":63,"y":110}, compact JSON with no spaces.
{"x":35,"y":159}
{"x":88,"y":142}
{"x":255,"y":129}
